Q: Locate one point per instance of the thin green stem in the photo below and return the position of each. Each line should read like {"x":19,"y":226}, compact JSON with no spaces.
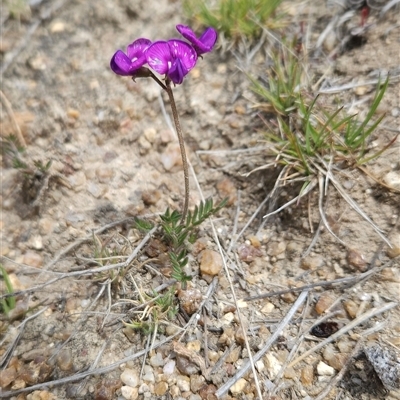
{"x":182,"y":148}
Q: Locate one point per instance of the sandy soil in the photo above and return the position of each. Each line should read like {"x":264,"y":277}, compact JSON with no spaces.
{"x":115,"y":157}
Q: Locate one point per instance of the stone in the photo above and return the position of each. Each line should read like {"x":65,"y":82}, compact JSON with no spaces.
{"x":324,"y":302}
{"x":169,"y":367}
{"x":130,"y":377}
{"x":157,"y":360}
{"x":160,"y":388}
{"x":276,"y":249}
{"x":183,"y":383}
{"x":273,"y":365}
{"x":307,"y":375}
{"x":129,"y":393}
{"x":312,"y":262}
{"x":196,"y":382}
{"x":210,"y":262}
{"x":324,"y":369}
{"x":238,"y":387}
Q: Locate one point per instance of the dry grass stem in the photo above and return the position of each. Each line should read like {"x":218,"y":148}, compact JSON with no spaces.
{"x":225,"y":387}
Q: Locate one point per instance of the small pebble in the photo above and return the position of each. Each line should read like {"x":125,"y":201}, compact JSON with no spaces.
{"x":238,"y":387}
{"x":210,"y":262}
{"x":33,"y":259}
{"x":160,"y":388}
{"x":356,"y":260}
{"x":276,"y":248}
{"x":183,"y":383}
{"x":169,"y":367}
{"x":324,"y":302}
{"x":324,"y":369}
{"x":130,"y":377}
{"x":129,"y":393}
{"x":351,"y":307}
{"x":307,"y":375}
{"x":273,"y":365}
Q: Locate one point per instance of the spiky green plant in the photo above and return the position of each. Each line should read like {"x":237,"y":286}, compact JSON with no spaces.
{"x":6,"y":304}
{"x":235,"y":19}
{"x":310,"y":140}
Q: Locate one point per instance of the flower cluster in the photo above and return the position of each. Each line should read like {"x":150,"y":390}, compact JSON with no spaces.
{"x":173,"y":58}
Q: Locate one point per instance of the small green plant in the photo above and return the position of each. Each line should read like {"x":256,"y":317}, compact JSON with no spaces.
{"x":286,"y":79}
{"x":6,"y":304}
{"x":157,"y":309}
{"x":177,"y":233}
{"x":235,"y":19}
{"x":308,"y":140}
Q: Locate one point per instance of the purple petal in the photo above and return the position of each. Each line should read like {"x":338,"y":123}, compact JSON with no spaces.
{"x":177,"y":72}
{"x":208,"y":38}
{"x":202,"y":45}
{"x":159,"y":57}
{"x":121,"y":64}
{"x":184,"y":52}
{"x":136,"y":49}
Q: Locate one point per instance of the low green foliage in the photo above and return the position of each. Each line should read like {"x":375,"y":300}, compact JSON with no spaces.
{"x":235,"y":19}
{"x":6,"y":304}
{"x":310,"y":140}
{"x":161,"y":308}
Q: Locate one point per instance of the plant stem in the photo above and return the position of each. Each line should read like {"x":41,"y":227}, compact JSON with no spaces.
{"x":182,"y":148}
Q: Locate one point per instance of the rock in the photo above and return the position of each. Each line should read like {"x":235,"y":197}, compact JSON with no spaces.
{"x":105,"y":174}
{"x":151,"y":197}
{"x":130,"y":377}
{"x":150,"y":134}
{"x":248,"y":253}
{"x":233,"y":356}
{"x":190,"y":299}
{"x":171,"y":156}
{"x":7,"y":376}
{"x":351,"y":307}
{"x":148,"y":374}
{"x":356,"y":260}
{"x":324,"y":369}
{"x":129,"y":393}
{"x":267,"y":308}
{"x":64,"y":360}
{"x":185,"y":366}
{"x":324,"y":302}
{"x":238,"y":387}
{"x":196,"y":382}
{"x":273,"y":365}
{"x":157,"y":360}
{"x":210,"y":262}
{"x":194,"y":345}
{"x":276,"y":249}
{"x":160,"y":388}
{"x":307,"y":375}
{"x":392,"y":179}
{"x":312,"y":263}
{"x":226,"y":189}
{"x":169,"y":367}
{"x":183,"y":383}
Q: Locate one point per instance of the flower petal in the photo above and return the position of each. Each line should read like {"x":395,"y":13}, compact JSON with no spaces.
{"x":202,"y":45}
{"x":136,"y":49}
{"x":184,"y":52}
{"x":121,"y":64}
{"x":159,"y":57}
{"x":177,"y":72}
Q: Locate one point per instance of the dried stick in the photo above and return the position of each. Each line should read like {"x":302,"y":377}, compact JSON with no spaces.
{"x":225,"y":387}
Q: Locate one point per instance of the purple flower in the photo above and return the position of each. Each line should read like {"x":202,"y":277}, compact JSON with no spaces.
{"x":134,"y":59}
{"x":204,"y":43}
{"x":174,"y":58}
